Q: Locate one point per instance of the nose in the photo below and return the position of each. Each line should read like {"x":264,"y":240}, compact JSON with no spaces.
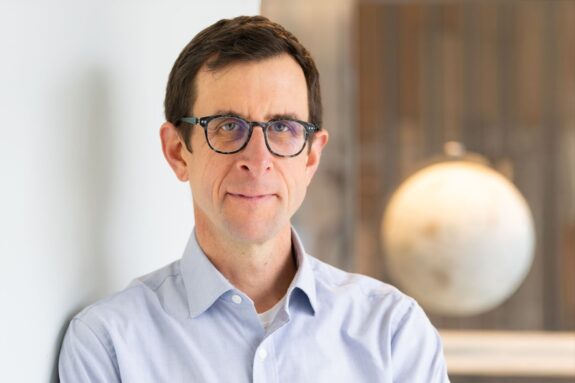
{"x":255,"y":158}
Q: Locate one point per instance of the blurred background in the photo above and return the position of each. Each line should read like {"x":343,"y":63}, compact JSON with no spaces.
{"x":89,"y":204}
{"x":401,"y":78}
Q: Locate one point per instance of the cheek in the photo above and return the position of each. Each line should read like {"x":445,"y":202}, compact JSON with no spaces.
{"x":297,"y":185}
{"x":203,"y":178}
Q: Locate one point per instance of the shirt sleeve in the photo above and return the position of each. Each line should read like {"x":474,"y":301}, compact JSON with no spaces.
{"x":417,"y":351}
{"x":85,"y":358}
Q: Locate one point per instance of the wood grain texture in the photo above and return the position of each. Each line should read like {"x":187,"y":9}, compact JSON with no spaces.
{"x":494,"y":75}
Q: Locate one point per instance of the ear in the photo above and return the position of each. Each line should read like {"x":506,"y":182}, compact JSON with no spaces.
{"x":320,"y":140}
{"x":174,"y":150}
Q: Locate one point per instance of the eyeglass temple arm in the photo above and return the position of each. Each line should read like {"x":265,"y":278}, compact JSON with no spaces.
{"x":190,"y":120}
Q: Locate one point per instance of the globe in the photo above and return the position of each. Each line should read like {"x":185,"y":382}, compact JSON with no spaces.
{"x":458,"y":237}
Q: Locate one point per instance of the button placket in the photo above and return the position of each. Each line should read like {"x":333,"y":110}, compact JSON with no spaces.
{"x":265,"y":367}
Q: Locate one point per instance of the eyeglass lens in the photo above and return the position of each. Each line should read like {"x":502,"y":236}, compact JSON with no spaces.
{"x":228,"y":134}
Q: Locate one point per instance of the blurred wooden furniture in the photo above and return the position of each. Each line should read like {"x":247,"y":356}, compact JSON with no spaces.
{"x":510,"y":353}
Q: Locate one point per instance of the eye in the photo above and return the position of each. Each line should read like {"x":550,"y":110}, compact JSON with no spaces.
{"x":281,"y":127}
{"x":229,"y":125}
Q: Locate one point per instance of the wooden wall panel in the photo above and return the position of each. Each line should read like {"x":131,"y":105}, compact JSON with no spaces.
{"x":498,"y":76}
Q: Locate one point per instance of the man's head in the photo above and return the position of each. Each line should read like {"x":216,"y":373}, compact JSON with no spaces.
{"x":229,"y":41}
{"x":259,"y":73}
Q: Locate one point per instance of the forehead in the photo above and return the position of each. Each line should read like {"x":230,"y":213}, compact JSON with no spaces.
{"x":253,"y":89}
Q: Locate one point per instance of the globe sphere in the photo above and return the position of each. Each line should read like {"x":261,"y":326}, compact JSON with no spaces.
{"x":458,"y":237}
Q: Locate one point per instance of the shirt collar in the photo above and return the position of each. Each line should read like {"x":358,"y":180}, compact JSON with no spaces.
{"x":304,"y":279}
{"x":204,"y":283}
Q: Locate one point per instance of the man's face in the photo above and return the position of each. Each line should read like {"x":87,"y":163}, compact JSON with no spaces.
{"x":250,"y":196}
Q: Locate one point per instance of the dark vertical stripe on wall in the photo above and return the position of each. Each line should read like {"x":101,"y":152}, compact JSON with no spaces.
{"x":432,"y":81}
{"x":470,"y":121}
{"x":390,"y":137}
{"x":379,"y":124}
{"x":507,"y":67}
{"x":565,"y":55}
{"x":550,"y":134}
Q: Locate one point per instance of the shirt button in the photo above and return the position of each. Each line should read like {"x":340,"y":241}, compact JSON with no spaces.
{"x":262,"y":353}
{"x":236,"y":299}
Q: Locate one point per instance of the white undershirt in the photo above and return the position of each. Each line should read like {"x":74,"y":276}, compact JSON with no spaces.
{"x":267,"y":317}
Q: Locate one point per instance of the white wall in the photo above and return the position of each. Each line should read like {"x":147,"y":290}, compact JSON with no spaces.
{"x":87,"y":202}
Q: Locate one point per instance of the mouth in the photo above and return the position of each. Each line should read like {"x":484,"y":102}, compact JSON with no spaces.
{"x":251,"y":197}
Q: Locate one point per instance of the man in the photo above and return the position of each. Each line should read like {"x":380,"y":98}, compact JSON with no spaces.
{"x":246,"y":303}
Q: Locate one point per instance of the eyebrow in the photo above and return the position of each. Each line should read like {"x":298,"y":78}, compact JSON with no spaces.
{"x":280,"y":116}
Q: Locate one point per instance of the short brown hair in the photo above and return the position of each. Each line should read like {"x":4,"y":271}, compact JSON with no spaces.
{"x":241,"y":39}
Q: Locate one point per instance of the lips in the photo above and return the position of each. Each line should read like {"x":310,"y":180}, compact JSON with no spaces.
{"x":252,"y":196}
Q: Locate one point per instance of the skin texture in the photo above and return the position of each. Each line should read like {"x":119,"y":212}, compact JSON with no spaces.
{"x":243,"y":202}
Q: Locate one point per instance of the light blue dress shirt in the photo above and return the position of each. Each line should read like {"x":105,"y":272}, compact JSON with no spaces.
{"x":187,"y":323}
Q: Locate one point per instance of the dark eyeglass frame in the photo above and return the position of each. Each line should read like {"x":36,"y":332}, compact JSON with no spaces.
{"x":309,"y":129}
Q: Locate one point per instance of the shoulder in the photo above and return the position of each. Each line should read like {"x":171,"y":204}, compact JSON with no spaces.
{"x":359,"y":295}
{"x":370,"y":309}
{"x":99,"y":332}
{"x":332,"y":279}
{"x":144,"y":296}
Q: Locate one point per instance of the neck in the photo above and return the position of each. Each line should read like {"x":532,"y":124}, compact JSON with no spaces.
{"x":263,"y":271}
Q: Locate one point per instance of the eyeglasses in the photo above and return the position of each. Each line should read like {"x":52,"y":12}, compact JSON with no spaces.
{"x":229,"y":134}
